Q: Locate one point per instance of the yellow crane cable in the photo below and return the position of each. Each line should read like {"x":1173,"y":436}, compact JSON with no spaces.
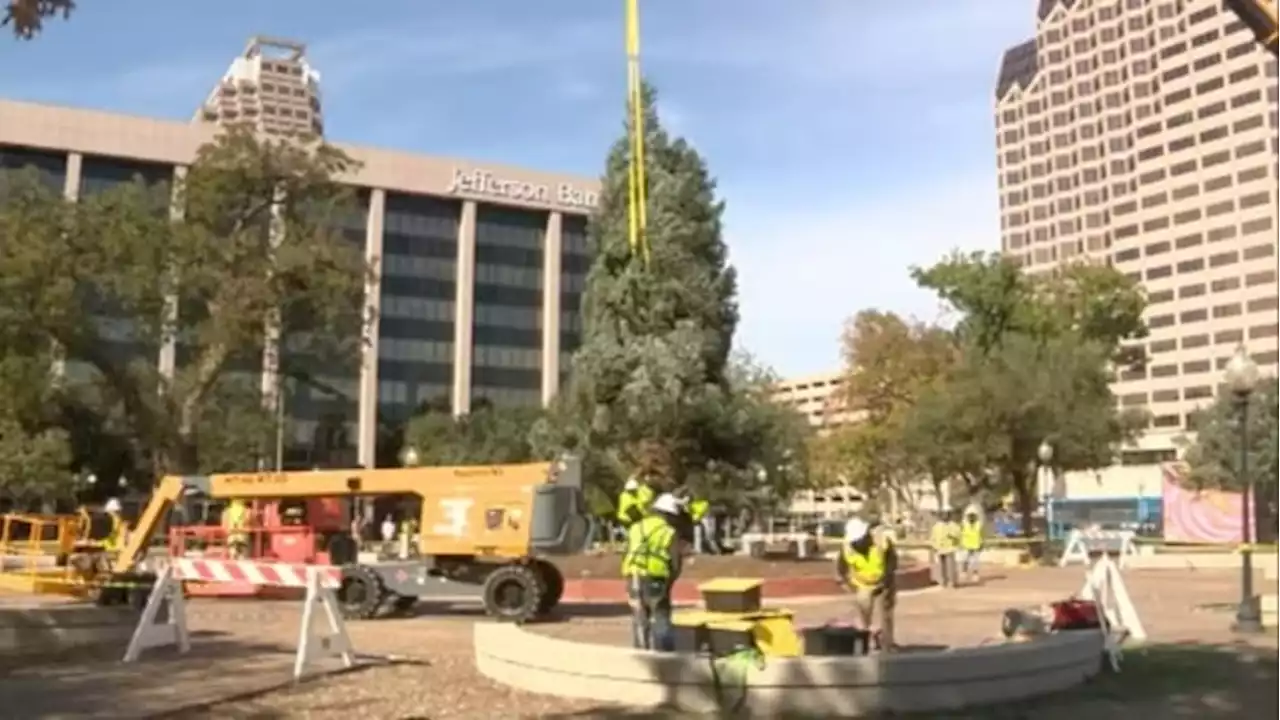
{"x":637,"y":197}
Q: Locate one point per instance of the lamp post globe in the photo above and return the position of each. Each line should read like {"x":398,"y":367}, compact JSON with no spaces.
{"x":1241,"y":374}
{"x":409,"y":456}
{"x":1241,"y":377}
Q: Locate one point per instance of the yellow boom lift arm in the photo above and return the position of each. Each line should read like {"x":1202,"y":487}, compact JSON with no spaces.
{"x":1261,"y":17}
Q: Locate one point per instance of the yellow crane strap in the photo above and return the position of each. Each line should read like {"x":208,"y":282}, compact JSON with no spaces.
{"x":637,"y":195}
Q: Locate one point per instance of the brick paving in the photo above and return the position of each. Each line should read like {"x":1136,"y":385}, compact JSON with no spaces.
{"x":244,"y":646}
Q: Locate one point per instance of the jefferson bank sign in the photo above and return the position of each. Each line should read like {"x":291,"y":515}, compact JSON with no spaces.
{"x":484,"y":184}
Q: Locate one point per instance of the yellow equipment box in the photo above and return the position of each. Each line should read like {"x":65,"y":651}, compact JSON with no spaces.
{"x":733,"y":595}
{"x":771,"y":630}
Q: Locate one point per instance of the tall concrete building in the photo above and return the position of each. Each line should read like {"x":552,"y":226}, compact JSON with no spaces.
{"x":816,"y":397}
{"x":271,"y":86}
{"x":1142,"y":133}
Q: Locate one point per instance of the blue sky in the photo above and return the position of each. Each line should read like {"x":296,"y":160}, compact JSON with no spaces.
{"x":851,"y":138}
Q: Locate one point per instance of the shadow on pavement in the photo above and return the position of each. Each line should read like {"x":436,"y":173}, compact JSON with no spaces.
{"x":163,"y":683}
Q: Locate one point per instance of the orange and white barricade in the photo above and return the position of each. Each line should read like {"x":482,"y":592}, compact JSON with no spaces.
{"x":319,"y":582}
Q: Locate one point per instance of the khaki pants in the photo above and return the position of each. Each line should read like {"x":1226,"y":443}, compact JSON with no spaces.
{"x":874,"y":608}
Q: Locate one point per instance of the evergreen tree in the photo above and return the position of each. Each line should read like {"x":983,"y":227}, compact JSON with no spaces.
{"x":649,"y":385}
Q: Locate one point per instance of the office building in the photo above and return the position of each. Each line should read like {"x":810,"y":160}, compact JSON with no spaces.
{"x":271,"y":86}
{"x":481,"y":270}
{"x":815,"y":397}
{"x":1142,"y":133}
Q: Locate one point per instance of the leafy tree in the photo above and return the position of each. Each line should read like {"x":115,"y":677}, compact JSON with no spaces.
{"x":995,"y":300}
{"x":27,"y":16}
{"x":1037,"y":354}
{"x":889,"y":363}
{"x":258,"y":247}
{"x":1213,"y":454}
{"x":489,"y":435}
{"x":649,"y":384}
{"x":35,"y":454}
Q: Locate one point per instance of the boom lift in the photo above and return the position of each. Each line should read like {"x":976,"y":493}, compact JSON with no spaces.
{"x":1261,"y":17}
{"x":483,"y":530}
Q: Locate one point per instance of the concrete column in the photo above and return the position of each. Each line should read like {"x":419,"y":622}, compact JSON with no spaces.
{"x":168,"y":360}
{"x":551,"y":254}
{"x":71,"y":192}
{"x":464,"y":309}
{"x":272,"y":387}
{"x":368,"y":443}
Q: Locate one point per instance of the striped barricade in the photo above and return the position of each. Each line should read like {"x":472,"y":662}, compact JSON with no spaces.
{"x":318,"y":581}
{"x":1082,"y":545}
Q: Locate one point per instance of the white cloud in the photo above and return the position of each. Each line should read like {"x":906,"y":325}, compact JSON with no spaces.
{"x":803,"y":272}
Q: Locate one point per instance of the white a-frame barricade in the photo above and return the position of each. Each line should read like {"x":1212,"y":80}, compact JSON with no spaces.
{"x":164,"y":620}
{"x":1082,"y":544}
{"x":1104,"y":585}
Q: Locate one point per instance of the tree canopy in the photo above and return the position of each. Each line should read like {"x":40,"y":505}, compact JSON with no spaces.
{"x":107,"y":281}
{"x":653,"y":386}
{"x":1029,"y":360}
{"x":488,"y":435}
{"x":27,"y":17}
{"x":1213,"y":455}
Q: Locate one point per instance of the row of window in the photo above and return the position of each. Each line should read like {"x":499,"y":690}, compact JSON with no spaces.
{"x":1100,"y":242}
{"x":1202,"y":340}
{"x":1096,"y":196}
{"x":507,"y":397}
{"x":498,"y":356}
{"x":1191,"y":367}
{"x":393,"y":392}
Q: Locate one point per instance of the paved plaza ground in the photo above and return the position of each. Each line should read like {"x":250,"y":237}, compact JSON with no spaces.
{"x":1193,"y":666}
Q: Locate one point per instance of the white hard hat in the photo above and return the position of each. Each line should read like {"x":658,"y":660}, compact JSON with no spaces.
{"x":631,"y":485}
{"x":855,"y":529}
{"x":666,"y":503}
{"x":113,"y":506}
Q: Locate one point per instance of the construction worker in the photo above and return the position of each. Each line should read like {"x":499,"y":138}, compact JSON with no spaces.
{"x":970,"y":545}
{"x":404,"y":539}
{"x":867,"y":565}
{"x":943,"y":538}
{"x":115,"y":538}
{"x":634,"y":502}
{"x":235,"y":520}
{"x":651,"y":566}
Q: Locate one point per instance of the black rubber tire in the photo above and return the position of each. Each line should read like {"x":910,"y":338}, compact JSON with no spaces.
{"x":361,"y":593}
{"x":552,"y":586}
{"x":402,"y":604}
{"x":513,"y":593}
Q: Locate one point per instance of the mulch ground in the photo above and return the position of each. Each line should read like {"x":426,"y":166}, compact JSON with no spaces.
{"x":701,"y":567}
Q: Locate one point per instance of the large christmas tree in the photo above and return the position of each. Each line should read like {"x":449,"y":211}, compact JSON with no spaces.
{"x":649,"y":383}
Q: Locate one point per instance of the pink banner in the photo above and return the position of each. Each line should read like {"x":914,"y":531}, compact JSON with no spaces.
{"x":1204,"y":516}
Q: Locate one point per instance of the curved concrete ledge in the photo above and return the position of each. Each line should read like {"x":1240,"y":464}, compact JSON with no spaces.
{"x":52,"y":629}
{"x":614,"y":590}
{"x":934,"y":681}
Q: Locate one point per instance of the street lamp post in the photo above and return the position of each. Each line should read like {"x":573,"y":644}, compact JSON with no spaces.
{"x":1242,"y":378}
{"x":1044,"y":454}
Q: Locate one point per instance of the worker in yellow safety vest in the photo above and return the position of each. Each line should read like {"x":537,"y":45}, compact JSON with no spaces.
{"x":634,"y":502}
{"x":971,"y":541}
{"x":235,"y":520}
{"x":116,"y":536}
{"x":651,"y":566}
{"x":943,"y":538}
{"x":867,"y":565}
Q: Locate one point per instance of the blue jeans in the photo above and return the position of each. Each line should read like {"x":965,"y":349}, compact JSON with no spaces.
{"x":650,"y":601}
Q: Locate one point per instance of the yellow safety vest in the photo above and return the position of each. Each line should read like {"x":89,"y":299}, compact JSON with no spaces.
{"x":649,"y":544}
{"x":698,"y":509}
{"x":971,"y":535}
{"x":634,"y":504}
{"x":944,"y":536}
{"x":115,"y":538}
{"x":866,"y":571}
{"x":234,"y":520}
